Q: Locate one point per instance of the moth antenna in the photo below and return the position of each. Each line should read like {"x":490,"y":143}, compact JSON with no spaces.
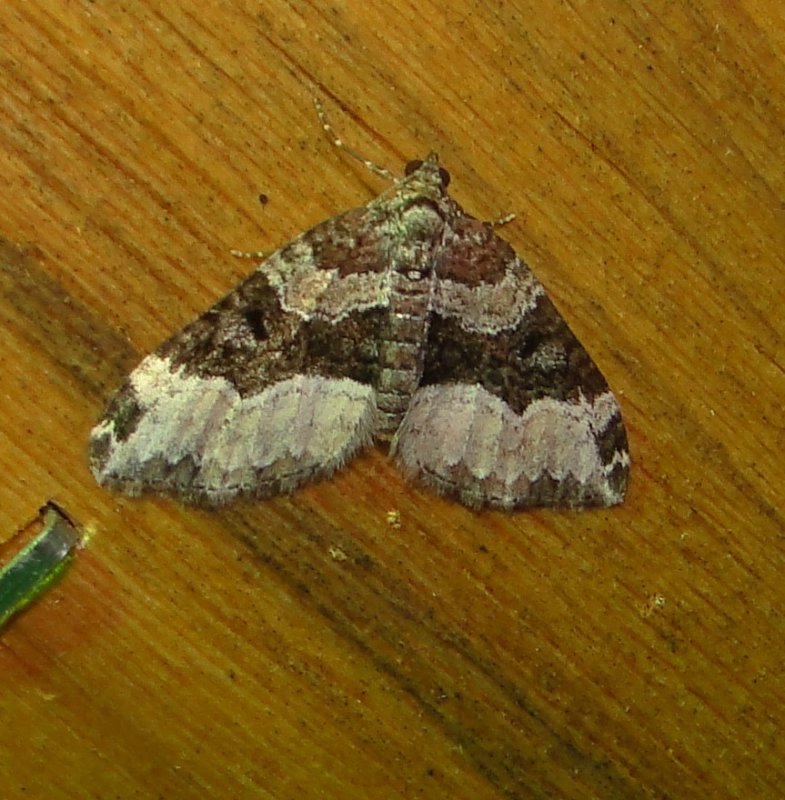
{"x":339,"y":143}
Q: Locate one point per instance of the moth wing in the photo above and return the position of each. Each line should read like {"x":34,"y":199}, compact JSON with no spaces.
{"x":511,"y":411}
{"x":270,"y":388}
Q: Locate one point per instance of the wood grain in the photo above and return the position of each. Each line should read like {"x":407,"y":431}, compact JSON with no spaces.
{"x":305,"y":647}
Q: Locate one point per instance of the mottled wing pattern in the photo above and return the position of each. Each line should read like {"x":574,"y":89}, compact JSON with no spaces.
{"x":405,"y":316}
{"x":270,"y":388}
{"x":511,"y":410}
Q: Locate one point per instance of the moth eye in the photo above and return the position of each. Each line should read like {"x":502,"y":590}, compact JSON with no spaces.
{"x":445,"y":177}
{"x":411,"y":167}
{"x":253,"y":317}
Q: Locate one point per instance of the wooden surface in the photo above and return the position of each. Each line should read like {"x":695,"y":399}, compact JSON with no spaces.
{"x":305,"y":647}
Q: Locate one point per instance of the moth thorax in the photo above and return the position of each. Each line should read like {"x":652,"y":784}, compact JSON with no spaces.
{"x":422,"y":222}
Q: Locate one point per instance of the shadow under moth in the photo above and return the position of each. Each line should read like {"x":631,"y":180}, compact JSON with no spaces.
{"x":404,"y":320}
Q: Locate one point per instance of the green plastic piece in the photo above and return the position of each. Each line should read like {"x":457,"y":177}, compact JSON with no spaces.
{"x":39,"y":563}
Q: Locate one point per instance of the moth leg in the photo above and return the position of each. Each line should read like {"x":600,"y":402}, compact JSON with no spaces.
{"x":256,"y":255}
{"x":503,"y":220}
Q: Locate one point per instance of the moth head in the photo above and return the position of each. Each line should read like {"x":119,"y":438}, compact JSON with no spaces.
{"x":432,"y":159}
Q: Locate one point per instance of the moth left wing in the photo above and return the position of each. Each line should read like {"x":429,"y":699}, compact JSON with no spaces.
{"x":270,"y":388}
{"x":511,"y":410}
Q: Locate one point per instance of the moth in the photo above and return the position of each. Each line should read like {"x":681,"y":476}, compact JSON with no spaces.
{"x":405,"y":320}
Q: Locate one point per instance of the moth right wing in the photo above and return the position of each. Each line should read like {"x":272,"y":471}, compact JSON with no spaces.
{"x":511,"y":409}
